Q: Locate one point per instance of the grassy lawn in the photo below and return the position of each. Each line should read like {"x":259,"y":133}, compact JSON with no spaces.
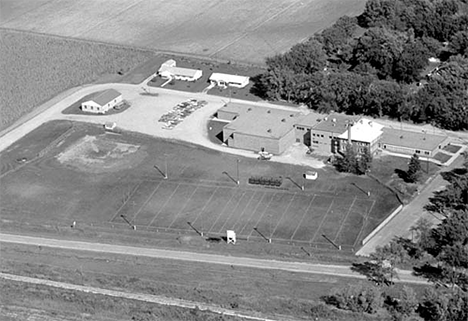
{"x":452,"y":148}
{"x":115,"y":176}
{"x":391,"y":170}
{"x":32,"y":145}
{"x":270,"y":292}
{"x":441,"y":157}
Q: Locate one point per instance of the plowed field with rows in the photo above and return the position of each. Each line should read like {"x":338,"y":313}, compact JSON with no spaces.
{"x":240,"y":30}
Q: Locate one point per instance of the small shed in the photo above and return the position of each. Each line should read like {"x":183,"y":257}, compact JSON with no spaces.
{"x":230,"y":237}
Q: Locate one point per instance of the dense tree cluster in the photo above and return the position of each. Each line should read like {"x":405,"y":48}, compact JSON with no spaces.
{"x":378,"y":64}
{"x":352,"y":162}
{"x":440,"y":254}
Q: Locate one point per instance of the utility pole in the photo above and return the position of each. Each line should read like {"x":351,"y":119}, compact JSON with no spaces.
{"x":261,"y":234}
{"x":237,"y":161}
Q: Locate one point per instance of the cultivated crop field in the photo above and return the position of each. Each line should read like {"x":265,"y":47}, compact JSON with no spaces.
{"x":240,"y":30}
{"x":82,"y":174}
{"x":35,"y":68}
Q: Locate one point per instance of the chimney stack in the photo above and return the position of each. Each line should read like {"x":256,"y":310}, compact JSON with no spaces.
{"x":349,"y":133}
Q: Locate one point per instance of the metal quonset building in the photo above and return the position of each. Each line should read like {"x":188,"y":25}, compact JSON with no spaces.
{"x":256,"y":128}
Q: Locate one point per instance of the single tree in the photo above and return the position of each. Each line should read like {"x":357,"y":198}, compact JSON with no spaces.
{"x":348,"y":162}
{"x":413,"y":173}
{"x":364,"y":161}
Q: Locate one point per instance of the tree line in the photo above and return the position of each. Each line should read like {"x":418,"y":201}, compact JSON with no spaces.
{"x":437,"y":253}
{"x":377,"y":64}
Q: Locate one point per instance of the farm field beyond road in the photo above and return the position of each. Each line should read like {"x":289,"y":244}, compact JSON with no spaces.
{"x":240,"y":30}
{"x":64,"y":172}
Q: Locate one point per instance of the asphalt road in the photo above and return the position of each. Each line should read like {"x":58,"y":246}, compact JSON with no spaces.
{"x":300,"y":267}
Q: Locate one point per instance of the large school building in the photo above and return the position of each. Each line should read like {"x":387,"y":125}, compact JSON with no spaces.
{"x":258,"y":128}
{"x":273,"y":130}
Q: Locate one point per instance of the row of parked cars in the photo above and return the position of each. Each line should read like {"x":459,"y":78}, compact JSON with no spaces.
{"x":180,"y":111}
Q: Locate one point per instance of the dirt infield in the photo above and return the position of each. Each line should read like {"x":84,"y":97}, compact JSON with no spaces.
{"x":98,"y":154}
{"x":240,"y":30}
{"x":97,"y":178}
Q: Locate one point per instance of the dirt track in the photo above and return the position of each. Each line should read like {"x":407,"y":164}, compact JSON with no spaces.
{"x":334,"y":270}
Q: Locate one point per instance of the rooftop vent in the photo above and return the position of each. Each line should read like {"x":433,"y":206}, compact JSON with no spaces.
{"x":269,"y":111}
{"x":269,"y":130}
{"x":334,"y":120}
{"x":283,"y":120}
{"x":291,"y":115}
{"x":249,"y":109}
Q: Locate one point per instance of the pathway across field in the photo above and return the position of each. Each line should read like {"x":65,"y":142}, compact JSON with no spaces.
{"x":277,"y":214}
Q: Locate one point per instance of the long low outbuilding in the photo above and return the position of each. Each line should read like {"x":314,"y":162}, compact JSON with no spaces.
{"x":101,"y":102}
{"x":227,"y":80}
{"x":409,"y":142}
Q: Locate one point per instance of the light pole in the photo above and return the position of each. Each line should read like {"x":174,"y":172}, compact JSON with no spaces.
{"x":165,"y":166}
{"x":237,"y":161}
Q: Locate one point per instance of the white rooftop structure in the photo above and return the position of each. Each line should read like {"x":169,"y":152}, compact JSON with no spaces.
{"x":225,"y":80}
{"x":364,"y":130}
{"x":167,"y":64}
{"x":169,"y":70}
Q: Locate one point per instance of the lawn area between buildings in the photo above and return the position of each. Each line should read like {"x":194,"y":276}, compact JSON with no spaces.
{"x":107,"y":179}
{"x":390,"y":170}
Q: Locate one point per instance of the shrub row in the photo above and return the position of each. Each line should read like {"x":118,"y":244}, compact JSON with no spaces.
{"x":268,"y":181}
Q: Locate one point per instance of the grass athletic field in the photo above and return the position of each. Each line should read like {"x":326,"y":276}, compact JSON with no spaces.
{"x":64,"y":172}
{"x":240,"y":30}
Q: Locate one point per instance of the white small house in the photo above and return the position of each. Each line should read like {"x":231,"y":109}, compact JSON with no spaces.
{"x":102,"y":102}
{"x":226,"y":80}
{"x":169,"y":70}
